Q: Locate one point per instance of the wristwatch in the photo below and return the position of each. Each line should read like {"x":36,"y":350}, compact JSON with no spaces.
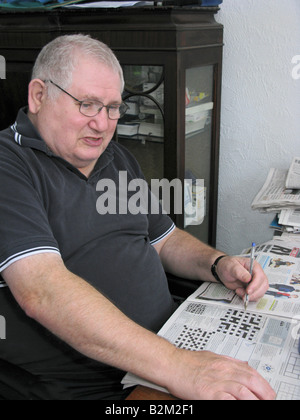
{"x":214,"y":269}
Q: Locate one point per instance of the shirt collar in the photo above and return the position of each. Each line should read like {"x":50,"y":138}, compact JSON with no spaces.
{"x":26,"y":135}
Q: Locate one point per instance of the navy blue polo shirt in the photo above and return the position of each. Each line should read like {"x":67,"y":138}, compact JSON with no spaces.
{"x":47,"y":205}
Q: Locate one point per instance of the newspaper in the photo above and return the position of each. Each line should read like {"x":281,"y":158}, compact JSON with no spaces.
{"x":288,"y":237}
{"x":291,"y":218}
{"x":293,"y":177}
{"x":266,"y":335}
{"x":274,"y":195}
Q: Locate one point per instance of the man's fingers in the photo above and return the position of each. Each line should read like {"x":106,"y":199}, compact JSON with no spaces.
{"x":259,"y":284}
{"x":225,"y":378}
{"x":249,"y":385}
{"x":245,"y":383}
{"x":236,"y":391}
{"x":242,"y":282}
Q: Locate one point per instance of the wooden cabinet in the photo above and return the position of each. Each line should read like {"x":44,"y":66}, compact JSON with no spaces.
{"x":172,"y":61}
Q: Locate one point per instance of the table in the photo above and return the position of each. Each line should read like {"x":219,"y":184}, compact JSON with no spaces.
{"x":144,"y":393}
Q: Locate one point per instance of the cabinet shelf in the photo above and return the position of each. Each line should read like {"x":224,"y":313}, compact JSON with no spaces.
{"x":142,"y":139}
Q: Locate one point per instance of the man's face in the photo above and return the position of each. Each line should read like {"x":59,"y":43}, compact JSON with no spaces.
{"x":78,"y":139}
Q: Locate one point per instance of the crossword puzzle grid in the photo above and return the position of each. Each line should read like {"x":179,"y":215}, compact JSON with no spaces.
{"x":193,"y":339}
{"x":234,"y":323}
{"x":288,"y":392}
{"x":240,"y":324}
{"x":293,"y":367}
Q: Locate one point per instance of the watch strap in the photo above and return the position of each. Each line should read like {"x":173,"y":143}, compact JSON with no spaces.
{"x":214,"y":269}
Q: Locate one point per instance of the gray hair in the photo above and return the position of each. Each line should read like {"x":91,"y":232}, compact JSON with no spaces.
{"x":58,"y":59}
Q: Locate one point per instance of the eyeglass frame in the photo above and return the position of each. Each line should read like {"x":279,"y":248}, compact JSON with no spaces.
{"x":108,"y":107}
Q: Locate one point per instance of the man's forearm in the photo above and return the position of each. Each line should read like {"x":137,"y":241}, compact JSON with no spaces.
{"x":187,"y":257}
{"x":81,"y":316}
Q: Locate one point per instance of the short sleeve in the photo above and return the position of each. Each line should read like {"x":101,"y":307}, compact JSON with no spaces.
{"x":24,"y":226}
{"x":160,"y":224}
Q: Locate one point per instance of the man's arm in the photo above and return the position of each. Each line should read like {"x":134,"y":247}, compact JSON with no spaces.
{"x":77,"y":313}
{"x":185,"y":256}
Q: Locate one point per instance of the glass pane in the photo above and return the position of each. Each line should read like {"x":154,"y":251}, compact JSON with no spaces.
{"x":142,"y":79}
{"x":142,"y":129}
{"x":149,"y":155}
{"x":199,"y":108}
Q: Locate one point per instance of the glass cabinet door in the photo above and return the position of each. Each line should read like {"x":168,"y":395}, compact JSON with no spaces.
{"x":198,"y":143}
{"x":141,"y":131}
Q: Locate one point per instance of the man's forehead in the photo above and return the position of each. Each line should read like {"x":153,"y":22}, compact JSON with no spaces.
{"x":107,"y":96}
{"x":94,"y":80}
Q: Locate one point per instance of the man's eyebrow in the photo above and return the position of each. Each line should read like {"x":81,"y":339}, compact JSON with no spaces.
{"x":92,"y":98}
{"x":96,"y":99}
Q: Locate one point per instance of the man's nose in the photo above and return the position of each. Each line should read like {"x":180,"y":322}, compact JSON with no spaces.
{"x":101,"y":121}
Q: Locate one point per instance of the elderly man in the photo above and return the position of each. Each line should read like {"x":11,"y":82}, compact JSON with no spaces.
{"x":83,"y":293}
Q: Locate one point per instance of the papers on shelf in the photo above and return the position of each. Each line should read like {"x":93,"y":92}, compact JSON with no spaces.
{"x":281,"y":194}
{"x":128,"y":130}
{"x":266,"y":335}
{"x":196,"y":117}
{"x":198,"y":112}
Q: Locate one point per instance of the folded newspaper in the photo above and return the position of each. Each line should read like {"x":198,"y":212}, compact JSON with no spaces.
{"x":293,"y":177}
{"x":266,"y":335}
{"x":281,"y":194}
{"x":274,"y":195}
{"x":290,"y":219}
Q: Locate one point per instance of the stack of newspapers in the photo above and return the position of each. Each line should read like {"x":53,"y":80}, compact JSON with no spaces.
{"x":281,"y":194}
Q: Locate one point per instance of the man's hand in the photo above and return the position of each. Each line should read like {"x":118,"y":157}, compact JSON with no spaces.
{"x":207,"y":376}
{"x":187,"y":257}
{"x":234,"y":272}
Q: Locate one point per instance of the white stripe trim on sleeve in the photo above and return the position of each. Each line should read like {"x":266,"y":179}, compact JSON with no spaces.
{"x":163,"y":236}
{"x":27,"y":253}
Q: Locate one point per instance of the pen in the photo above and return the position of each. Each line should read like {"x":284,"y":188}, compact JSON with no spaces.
{"x":252,"y":258}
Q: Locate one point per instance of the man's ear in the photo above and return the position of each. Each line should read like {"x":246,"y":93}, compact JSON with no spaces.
{"x":37,"y":94}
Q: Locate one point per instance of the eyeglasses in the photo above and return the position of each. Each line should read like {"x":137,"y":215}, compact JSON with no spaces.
{"x":92,"y":108}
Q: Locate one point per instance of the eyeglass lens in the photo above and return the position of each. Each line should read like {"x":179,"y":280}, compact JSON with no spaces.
{"x":91,"y":109}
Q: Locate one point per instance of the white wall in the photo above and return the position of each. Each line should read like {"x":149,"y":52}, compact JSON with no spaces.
{"x":260,"y":125}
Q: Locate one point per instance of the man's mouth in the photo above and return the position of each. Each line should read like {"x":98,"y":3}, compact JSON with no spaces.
{"x":93,"y":141}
